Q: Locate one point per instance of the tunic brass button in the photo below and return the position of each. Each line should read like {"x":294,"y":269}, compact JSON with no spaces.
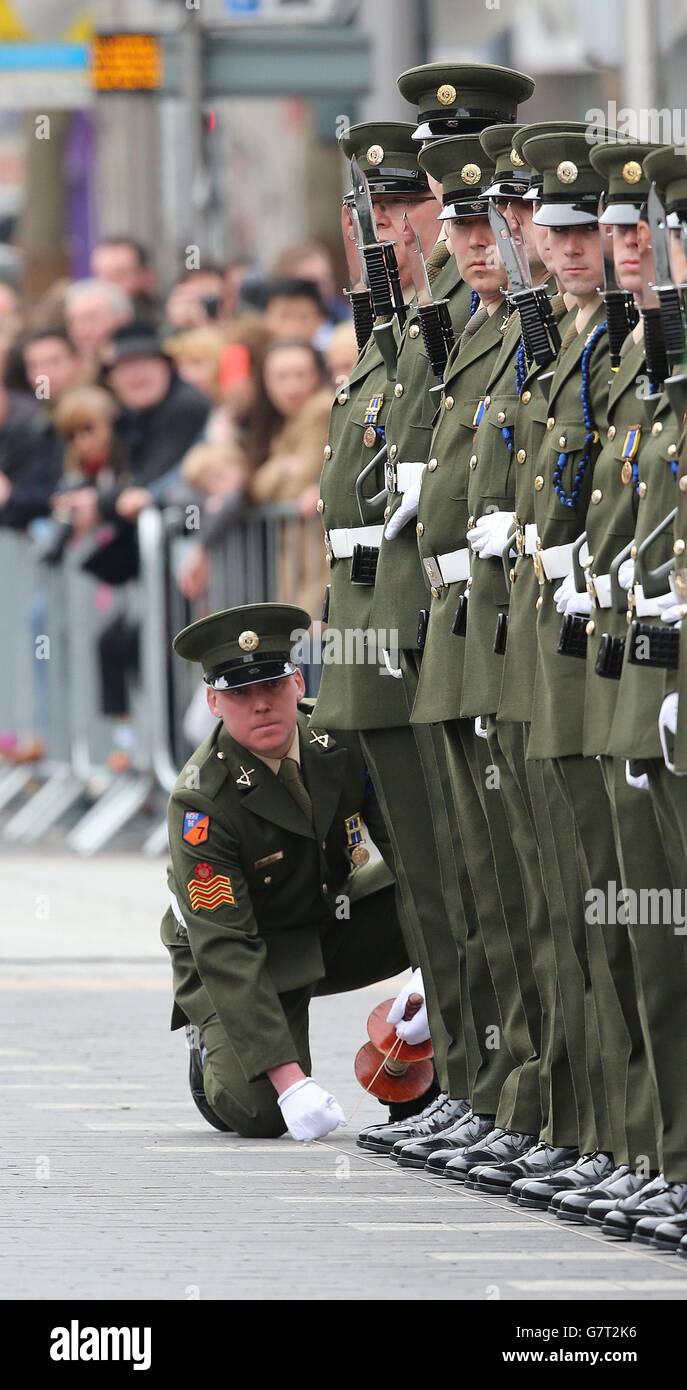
{"x":434,"y":592}
{"x":501,"y":417}
{"x":657,"y":427}
{"x":550,"y":422}
{"x":511,"y":575}
{"x":420,"y":530}
{"x":683,"y":483}
{"x":561,"y":441}
{"x":521,"y":455}
{"x":221,"y":755}
{"x":473,"y":462}
{"x":590,"y":628}
{"x":539,"y":602}
{"x":471,"y":522}
{"x":327,"y":452}
{"x":633,"y":553}
{"x":487,"y":401}
{"x":325,"y":888}
{"x":538,"y":483}
{"x":267,"y":878}
{"x":393,"y":451}
{"x":672,"y":450}
{"x":678,"y":549}
{"x":433,"y":465}
{"x":320,"y":505}
{"x":611,"y":432}
{"x":449,"y":402}
{"x":414,"y":330}
{"x":642,"y":490}
{"x":596,"y":495}
{"x":398,"y":388}
{"x":526,"y":397}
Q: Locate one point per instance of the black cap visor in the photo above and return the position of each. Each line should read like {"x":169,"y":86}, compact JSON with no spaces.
{"x":250,"y":670}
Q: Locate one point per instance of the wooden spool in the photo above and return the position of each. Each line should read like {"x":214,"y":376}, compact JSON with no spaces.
{"x":405,"y":1075}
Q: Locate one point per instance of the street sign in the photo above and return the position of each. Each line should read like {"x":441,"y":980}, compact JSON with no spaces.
{"x":126,"y":63}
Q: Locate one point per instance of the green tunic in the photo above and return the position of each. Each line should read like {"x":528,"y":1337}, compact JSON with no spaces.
{"x":558,"y":703}
{"x":443,"y":512}
{"x":257,"y":888}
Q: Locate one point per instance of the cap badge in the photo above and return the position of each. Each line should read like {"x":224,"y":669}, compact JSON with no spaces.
{"x":447,"y":94}
{"x":567,"y":171}
{"x":471,"y":173}
{"x":632,"y":171}
{"x":248,"y":641}
{"x":375,"y":154}
{"x":516,"y":160}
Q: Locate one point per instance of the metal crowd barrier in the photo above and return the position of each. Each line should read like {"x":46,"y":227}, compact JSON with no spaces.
{"x":53,"y":616}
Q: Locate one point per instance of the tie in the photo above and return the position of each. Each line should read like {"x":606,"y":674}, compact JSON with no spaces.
{"x":290,"y":774}
{"x":437,"y":259}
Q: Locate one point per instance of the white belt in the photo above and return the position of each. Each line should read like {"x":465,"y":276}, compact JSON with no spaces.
{"x":556,"y":561}
{"x":402,"y":476}
{"x":600,"y":587}
{"x":449,"y":568}
{"x":530,"y":537}
{"x":341,"y":539}
{"x":645,"y":607}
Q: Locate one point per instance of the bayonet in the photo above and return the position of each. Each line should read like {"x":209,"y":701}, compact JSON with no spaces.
{"x":435,"y":319}
{"x":621,"y":311}
{"x":668,"y":292}
{"x":380,"y":257}
{"x":657,"y":366}
{"x":539,"y":329}
{"x":358,"y":295}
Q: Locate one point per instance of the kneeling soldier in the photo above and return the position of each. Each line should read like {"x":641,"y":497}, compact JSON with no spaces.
{"x":272,"y":896}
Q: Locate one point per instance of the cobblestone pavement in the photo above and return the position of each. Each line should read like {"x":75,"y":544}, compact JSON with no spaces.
{"x":113,"y":1186}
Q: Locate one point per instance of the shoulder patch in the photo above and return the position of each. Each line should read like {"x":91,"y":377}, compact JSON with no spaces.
{"x":196,"y":827}
{"x":209,"y":890}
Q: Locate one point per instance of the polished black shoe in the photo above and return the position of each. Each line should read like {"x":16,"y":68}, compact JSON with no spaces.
{"x":572,"y":1206}
{"x":431,"y":1136}
{"x":500,"y":1146}
{"x":381,"y":1138}
{"x":468,"y":1129}
{"x":665,"y":1206}
{"x":537,"y":1195}
{"x":539,"y":1161}
{"x":627,"y":1185}
{"x":399,"y":1111}
{"x":669,"y":1234}
{"x":197,"y":1054}
{"x":621,"y":1220}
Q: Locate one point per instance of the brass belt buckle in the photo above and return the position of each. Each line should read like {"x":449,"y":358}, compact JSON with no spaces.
{"x":519,"y":539}
{"x":591,"y":586}
{"x":539,"y":564}
{"x":434,"y":574}
{"x":390,"y":477}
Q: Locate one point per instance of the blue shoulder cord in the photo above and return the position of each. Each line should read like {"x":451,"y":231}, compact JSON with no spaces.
{"x":520,"y":376}
{"x":572,"y":498}
{"x":474,"y":302}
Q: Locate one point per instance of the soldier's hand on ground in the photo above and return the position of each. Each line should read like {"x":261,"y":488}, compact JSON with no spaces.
{"x":667,"y":726}
{"x":415,"y":1029}
{"x":669,"y":609}
{"x":626,"y":574}
{"x":405,"y":513}
{"x":489,"y":534}
{"x":309,"y":1112}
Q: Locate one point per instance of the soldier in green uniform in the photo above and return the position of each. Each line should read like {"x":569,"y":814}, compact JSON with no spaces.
{"x":269,"y":824}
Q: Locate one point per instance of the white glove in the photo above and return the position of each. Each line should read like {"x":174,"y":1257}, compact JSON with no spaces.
{"x":626,"y":574}
{"x":579,"y":603}
{"x":489,"y":534}
{"x":667,"y":724}
{"x":563,"y":593}
{"x":310,"y":1112}
{"x":669,"y":609}
{"x":415,"y":1029}
{"x":641,"y":782}
{"x":407,"y":510}
{"x":394,"y":671}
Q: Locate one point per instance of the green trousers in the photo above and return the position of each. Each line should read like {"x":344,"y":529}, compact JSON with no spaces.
{"x":499,"y":899}
{"x":366,"y":948}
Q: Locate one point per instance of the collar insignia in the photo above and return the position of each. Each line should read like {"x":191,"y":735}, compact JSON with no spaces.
{"x":244,"y":779}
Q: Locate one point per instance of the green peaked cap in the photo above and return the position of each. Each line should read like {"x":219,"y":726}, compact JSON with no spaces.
{"x":511,"y":173}
{"x":462,"y":98}
{"x":462,"y":168}
{"x":620,"y":166}
{"x":667,"y":168}
{"x":387,"y":155}
{"x":571,"y":186}
{"x":240,"y":646}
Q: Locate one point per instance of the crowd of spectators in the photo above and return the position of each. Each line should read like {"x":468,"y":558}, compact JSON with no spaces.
{"x":115,"y":397}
